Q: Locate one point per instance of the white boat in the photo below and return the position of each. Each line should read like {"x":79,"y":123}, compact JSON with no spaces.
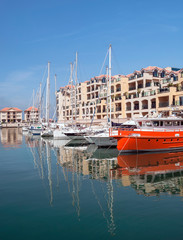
{"x":58,"y":134}
{"x":47,"y":133}
{"x":25,"y":129}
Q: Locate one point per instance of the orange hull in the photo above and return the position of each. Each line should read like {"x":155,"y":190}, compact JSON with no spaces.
{"x":136,"y":141}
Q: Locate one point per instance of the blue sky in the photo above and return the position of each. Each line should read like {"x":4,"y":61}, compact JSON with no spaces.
{"x":142,"y":33}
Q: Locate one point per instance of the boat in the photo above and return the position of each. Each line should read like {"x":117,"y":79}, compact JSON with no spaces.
{"x":47,"y":133}
{"x":150,"y":134}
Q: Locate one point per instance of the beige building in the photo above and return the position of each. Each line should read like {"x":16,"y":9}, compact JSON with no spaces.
{"x":11,"y":115}
{"x":90,"y":99}
{"x":31,"y":114}
{"x":152,"y":89}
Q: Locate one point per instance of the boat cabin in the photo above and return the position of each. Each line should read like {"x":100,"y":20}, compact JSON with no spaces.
{"x":170,"y":123}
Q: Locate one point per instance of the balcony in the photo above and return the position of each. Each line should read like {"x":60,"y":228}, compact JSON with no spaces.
{"x":128,"y":108}
{"x":145,"y":107}
{"x":164,"y":104}
{"x":118,"y":109}
{"x":163,"y":90}
{"x":153,"y":105}
{"x":117,"y":98}
{"x":132,"y":88}
{"x":136,"y":107}
{"x":140,"y":86}
{"x":118,"y":89}
{"x":148,"y":84}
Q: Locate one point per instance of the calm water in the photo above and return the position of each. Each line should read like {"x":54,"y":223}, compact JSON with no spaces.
{"x":49,"y":191}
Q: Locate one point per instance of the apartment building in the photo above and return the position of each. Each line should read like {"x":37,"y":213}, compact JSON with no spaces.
{"x":11,"y":115}
{"x":31,"y":114}
{"x":90,"y":100}
{"x":152,"y":89}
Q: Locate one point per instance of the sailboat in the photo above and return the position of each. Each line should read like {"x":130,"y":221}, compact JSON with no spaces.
{"x":103,"y":139}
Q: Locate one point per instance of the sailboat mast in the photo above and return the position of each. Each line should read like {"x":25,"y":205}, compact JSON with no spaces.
{"x":39,"y":112}
{"x":110,"y":80}
{"x":107,"y":73}
{"x":71,"y":80}
{"x":33,"y":106}
{"x":48,"y":96}
{"x":76,"y":83}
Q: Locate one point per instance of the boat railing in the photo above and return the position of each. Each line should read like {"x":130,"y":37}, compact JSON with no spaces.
{"x":119,"y":131}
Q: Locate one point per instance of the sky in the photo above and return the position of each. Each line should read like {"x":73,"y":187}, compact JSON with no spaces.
{"x":142,"y":33}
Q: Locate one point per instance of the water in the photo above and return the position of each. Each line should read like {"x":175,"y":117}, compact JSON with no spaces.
{"x":49,"y":191}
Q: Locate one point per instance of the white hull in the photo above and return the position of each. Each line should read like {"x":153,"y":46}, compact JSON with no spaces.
{"x":58,"y":134}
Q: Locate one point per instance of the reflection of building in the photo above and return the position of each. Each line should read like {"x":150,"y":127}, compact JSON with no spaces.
{"x":31,"y":114}
{"x":152,"y":174}
{"x":9,"y":115}
{"x":11,"y":137}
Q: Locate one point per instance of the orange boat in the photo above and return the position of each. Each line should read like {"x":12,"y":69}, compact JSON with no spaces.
{"x":150,"y":134}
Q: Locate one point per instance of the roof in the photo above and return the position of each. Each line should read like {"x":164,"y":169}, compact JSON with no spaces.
{"x":30,"y":109}
{"x":6,"y":109}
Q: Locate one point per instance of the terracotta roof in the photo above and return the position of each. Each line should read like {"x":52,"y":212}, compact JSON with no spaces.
{"x":6,"y":109}
{"x":30,"y":109}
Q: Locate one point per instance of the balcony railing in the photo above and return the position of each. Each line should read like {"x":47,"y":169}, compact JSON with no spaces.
{"x":118,"y":89}
{"x":164,"y":104}
{"x":153,"y":105}
{"x":118,"y":109}
{"x":128,"y":108}
{"x":136,"y":107}
{"x":163,"y":90}
{"x":132,"y":88}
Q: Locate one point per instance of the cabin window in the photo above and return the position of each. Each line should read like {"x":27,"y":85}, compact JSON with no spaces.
{"x":148,"y":124}
{"x":168,"y":123}
{"x":176,"y":123}
{"x":161,"y":123}
{"x":181,"y":122}
{"x":140,"y":124}
{"x":156,"y":123}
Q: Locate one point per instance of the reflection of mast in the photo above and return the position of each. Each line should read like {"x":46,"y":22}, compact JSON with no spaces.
{"x":49,"y":171}
{"x":109,"y":220}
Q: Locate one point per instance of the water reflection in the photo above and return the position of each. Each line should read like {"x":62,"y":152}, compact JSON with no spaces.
{"x":11,"y":137}
{"x":152,"y":174}
{"x":148,"y":174}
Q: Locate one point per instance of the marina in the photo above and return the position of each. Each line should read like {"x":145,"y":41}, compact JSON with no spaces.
{"x":98,"y":192}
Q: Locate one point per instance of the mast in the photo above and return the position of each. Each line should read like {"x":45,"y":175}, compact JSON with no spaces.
{"x":33,"y":106}
{"x":107,"y":72}
{"x":71,"y":81}
{"x":110,"y":81}
{"x":76,"y":83}
{"x":39,"y":112}
{"x":48,"y":96}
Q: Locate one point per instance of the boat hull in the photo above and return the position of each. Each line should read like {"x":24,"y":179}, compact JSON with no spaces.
{"x":147,"y":141}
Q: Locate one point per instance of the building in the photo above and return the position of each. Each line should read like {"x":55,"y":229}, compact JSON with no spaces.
{"x":31,"y":114}
{"x":152,"y":89}
{"x":90,"y":100}
{"x":11,"y":115}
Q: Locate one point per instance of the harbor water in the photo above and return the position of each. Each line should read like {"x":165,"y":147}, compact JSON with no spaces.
{"x":51,"y":191}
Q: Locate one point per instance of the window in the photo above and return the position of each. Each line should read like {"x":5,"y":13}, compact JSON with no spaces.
{"x":168,"y":123}
{"x":148,"y":124}
{"x":163,"y":74}
{"x":156,"y":123}
{"x":155,"y":73}
{"x":176,"y":123}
